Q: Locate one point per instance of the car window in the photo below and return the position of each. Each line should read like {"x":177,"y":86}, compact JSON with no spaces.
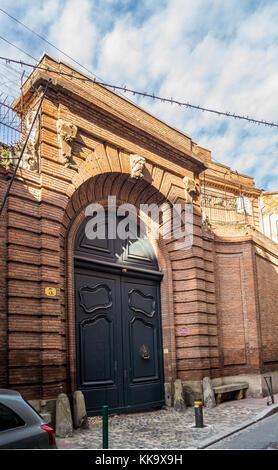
{"x":9,"y":419}
{"x":34,"y":409}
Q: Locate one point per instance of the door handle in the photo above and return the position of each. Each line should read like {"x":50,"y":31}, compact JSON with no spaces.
{"x":144,"y":352}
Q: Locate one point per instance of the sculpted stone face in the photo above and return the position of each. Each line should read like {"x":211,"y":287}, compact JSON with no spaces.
{"x":30,"y":158}
{"x":66,"y":133}
{"x":137,"y":165}
{"x":190,"y":187}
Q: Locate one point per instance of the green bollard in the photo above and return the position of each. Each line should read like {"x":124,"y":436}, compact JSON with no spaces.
{"x":105,"y":427}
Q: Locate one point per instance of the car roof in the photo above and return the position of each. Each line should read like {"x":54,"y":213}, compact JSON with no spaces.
{"x":5,"y":392}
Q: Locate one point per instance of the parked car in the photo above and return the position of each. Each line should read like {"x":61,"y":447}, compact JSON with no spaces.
{"x":21,"y":426}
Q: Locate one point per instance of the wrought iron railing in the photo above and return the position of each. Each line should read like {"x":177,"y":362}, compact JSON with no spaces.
{"x":10,"y":123}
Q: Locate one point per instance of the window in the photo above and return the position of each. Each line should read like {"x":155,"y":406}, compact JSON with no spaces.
{"x":9,"y":419}
{"x":243,"y":205}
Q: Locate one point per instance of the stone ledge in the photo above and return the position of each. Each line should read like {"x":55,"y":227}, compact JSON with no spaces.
{"x":233,"y":387}
{"x":230,"y":387}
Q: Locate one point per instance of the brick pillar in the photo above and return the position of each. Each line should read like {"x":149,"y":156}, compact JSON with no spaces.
{"x":55,"y":179}
{"x":194,"y":306}
{"x":24,"y":286}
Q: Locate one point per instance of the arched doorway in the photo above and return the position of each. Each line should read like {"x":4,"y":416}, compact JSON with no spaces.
{"x":119,"y":360}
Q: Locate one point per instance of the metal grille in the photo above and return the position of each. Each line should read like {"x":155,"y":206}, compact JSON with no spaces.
{"x":10,"y":123}
{"x":223,"y":209}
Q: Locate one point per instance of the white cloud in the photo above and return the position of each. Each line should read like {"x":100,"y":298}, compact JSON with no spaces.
{"x":74,"y":32}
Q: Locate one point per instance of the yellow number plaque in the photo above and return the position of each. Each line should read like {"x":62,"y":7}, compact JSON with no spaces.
{"x":50,"y":291}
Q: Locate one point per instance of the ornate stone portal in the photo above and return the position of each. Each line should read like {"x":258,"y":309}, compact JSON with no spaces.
{"x":137,"y":165}
{"x":66,"y":133}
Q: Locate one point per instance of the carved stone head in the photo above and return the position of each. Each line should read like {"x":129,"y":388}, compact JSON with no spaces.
{"x":190,"y":187}
{"x":137,"y":165}
{"x":30,"y":158}
{"x":66,"y":133}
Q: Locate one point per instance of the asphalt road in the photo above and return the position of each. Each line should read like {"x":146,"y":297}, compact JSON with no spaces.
{"x":261,"y":435}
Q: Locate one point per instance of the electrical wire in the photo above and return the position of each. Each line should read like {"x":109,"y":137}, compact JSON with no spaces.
{"x":144,"y":94}
{"x":18,"y":48}
{"x":48,"y":42}
{"x":134,"y":92}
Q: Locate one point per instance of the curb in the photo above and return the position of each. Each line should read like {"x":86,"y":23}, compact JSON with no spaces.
{"x":264,"y":414}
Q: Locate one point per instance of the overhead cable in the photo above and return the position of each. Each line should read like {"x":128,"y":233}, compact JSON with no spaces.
{"x":144,"y":94}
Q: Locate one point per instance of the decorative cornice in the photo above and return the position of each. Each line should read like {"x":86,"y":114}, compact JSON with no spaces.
{"x":184,"y":157}
{"x":216,"y":182}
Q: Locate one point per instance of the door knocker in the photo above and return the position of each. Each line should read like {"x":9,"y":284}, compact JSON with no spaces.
{"x":144,"y":352}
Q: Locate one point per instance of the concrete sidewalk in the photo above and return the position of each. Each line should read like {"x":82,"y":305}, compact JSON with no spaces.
{"x":168,"y":429}
{"x":263,"y":411}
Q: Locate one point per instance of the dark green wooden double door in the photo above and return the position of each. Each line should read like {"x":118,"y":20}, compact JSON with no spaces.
{"x":118,"y":332}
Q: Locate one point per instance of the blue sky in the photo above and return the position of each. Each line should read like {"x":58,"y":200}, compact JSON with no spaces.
{"x":214,"y":53}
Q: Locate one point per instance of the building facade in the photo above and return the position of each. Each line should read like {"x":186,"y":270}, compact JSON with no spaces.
{"x":121,"y":320}
{"x":269,"y":215}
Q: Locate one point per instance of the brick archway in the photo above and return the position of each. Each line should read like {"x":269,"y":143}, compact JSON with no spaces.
{"x":97,"y":189}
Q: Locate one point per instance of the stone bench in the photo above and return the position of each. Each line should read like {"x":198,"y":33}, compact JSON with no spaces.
{"x":233,"y":387}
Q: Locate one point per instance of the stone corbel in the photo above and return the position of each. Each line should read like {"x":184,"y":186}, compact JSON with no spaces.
{"x":30,"y":158}
{"x":66,"y":132}
{"x":191,"y":188}
{"x":137,"y":165}
{"x":206,"y":224}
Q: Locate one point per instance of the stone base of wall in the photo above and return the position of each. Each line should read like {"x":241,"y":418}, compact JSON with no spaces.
{"x":193,"y":390}
{"x":46,"y":408}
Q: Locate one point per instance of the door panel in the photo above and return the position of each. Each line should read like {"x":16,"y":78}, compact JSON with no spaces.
{"x":143,"y":345}
{"x":98,"y":340}
{"x":142,"y":330}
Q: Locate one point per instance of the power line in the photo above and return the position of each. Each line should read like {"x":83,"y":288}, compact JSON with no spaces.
{"x":134,"y":92}
{"x":48,"y":42}
{"x":18,"y":48}
{"x":144,"y":94}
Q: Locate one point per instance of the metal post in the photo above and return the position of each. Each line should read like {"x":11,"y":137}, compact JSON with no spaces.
{"x":270,"y":390}
{"x":105,"y":427}
{"x":198,"y":406}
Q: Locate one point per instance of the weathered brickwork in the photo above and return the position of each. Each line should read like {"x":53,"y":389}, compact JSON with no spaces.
{"x":246,"y":265}
{"x":267,"y":281}
{"x":212,"y":288}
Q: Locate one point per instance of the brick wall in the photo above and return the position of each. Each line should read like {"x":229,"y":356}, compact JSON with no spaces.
{"x":247,"y":284}
{"x":267,"y":284}
{"x":238,"y":328}
{"x":3,"y":285}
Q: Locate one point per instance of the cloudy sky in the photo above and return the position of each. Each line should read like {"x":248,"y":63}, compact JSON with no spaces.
{"x":214,"y":53}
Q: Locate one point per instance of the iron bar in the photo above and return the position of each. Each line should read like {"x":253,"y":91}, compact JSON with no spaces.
{"x":23,"y":148}
{"x":269,"y":388}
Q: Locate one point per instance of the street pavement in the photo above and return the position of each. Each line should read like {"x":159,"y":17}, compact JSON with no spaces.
{"x":169,"y":429}
{"x":263,"y":435}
